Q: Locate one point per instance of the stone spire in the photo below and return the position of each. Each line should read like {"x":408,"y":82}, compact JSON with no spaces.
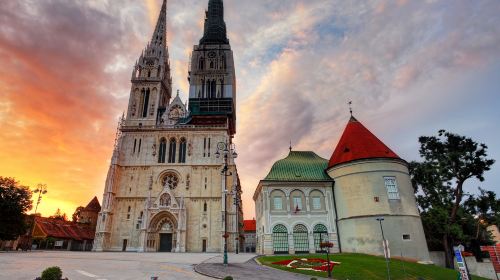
{"x":215,"y":27}
{"x":160,"y":35}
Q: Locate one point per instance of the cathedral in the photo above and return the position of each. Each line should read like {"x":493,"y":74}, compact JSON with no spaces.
{"x":172,"y":185}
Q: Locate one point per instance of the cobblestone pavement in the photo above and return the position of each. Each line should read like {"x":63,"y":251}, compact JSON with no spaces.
{"x":107,"y":266}
{"x":249,"y":270}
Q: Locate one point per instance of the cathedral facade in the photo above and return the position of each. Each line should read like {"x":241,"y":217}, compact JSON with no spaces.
{"x":172,"y":185}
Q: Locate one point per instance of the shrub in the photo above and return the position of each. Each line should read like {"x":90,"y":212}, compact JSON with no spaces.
{"x":52,"y":273}
{"x":228,"y":278}
{"x":314,"y":278}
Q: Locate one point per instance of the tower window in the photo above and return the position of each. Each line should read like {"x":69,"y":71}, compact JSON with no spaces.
{"x":128,"y":213}
{"x":171,"y":150}
{"x":392,"y":187}
{"x":204,"y":146}
{"x":139,"y":149}
{"x":205,"y":207}
{"x":406,"y":237}
{"x":135,"y":144}
{"x":162,"y":151}
{"x":145,"y":102}
{"x":208,"y":152}
{"x":201,"y":64}
{"x":182,"y":150}
{"x":205,"y":183}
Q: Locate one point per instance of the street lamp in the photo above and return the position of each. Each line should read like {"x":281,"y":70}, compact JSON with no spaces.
{"x":386,"y":249}
{"x":40,"y":189}
{"x":227,"y":150}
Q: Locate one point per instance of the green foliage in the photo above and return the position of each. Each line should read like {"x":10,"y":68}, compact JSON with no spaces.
{"x":15,"y":201}
{"x":449,"y":161}
{"x":59,"y":215}
{"x":52,"y":273}
{"x":228,"y":278}
{"x":362,"y":267}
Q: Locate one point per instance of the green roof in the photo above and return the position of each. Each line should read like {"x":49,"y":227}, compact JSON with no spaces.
{"x":299,"y":166}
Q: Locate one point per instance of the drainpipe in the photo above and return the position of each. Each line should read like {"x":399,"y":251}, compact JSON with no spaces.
{"x":336,"y":216}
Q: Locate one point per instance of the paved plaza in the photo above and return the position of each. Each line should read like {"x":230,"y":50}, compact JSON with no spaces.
{"x":109,"y":266}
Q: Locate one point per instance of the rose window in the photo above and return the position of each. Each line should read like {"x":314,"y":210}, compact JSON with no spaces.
{"x":170,"y":180}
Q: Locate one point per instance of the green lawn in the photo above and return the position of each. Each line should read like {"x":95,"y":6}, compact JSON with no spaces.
{"x":363,"y":267}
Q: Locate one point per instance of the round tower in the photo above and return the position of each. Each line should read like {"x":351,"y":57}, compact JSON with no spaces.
{"x":371,"y":181}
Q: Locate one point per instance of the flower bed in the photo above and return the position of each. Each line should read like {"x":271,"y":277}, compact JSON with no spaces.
{"x":308,"y":264}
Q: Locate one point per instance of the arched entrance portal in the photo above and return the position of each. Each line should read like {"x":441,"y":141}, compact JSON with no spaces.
{"x":163,"y":233}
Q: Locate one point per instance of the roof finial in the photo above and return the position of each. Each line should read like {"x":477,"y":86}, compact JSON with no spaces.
{"x":178,"y":92}
{"x":290,"y":146}
{"x":350,"y":107}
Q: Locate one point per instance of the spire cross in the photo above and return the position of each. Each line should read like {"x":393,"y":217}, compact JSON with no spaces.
{"x":290,"y":146}
{"x":350,"y":107}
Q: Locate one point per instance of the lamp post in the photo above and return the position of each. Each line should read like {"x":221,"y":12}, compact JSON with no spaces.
{"x":385,"y":247}
{"x":228,"y":151}
{"x":40,"y":189}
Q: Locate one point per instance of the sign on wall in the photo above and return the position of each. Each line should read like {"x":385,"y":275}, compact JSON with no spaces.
{"x":461,"y":263}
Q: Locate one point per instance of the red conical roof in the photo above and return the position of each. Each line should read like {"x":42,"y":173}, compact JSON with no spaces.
{"x":357,"y":142}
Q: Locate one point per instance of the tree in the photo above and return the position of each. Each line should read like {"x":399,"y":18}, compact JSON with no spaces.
{"x":76,"y":216}
{"x":449,"y":161}
{"x":58,"y":215}
{"x":15,"y":201}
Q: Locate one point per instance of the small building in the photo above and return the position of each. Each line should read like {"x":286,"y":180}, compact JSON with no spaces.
{"x":57,"y":234}
{"x":306,"y":200}
{"x":295,"y":207}
{"x":249,"y":235}
{"x":90,"y":213}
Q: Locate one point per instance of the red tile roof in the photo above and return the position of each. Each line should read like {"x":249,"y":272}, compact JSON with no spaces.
{"x":65,"y":230}
{"x":357,"y":142}
{"x":249,"y":225}
{"x":93,"y":205}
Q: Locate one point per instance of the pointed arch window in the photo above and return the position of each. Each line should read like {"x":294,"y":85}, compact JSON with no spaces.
{"x":159,"y":71}
{"x":145,"y":102}
{"x":171,"y":150}
{"x":201,"y":63}
{"x":162,"y":151}
{"x":182,"y":150}
{"x":213,"y":87}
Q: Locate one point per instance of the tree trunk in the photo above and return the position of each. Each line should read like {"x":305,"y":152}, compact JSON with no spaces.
{"x":448,"y":252}
{"x":458,"y":199}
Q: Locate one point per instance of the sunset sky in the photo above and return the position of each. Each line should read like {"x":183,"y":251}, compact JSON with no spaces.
{"x":410,"y":68}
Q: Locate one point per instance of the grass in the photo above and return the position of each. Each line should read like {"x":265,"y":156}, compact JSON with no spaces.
{"x":362,"y":267}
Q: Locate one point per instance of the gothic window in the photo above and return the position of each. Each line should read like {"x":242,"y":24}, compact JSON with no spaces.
{"x":280,"y":239}
{"x":159,"y":71}
{"x":135,"y":145}
{"x":165,"y":200}
{"x":171,"y":150}
{"x":140,"y":144}
{"x":320,"y":235}
{"x":224,"y":65}
{"x":208,"y":151}
{"x":170,"y":180}
{"x":145,"y":102}
{"x":211,"y":64}
{"x":300,"y":239}
{"x":182,"y":150}
{"x":204,"y":146}
{"x":128,"y":213}
{"x":205,"y":207}
{"x":201,"y":63}
{"x":213,"y":88}
{"x":163,"y":150}
{"x":149,"y":73}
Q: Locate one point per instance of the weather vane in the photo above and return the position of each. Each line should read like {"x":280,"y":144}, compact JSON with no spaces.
{"x":350,"y":107}
{"x":290,"y":146}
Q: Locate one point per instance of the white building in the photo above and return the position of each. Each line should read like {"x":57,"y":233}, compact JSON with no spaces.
{"x":164,"y":190}
{"x":368,"y":180}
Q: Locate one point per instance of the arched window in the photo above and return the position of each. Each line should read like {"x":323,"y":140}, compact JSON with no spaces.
{"x":145,"y":102}
{"x":213,"y":88}
{"x":297,"y":202}
{"x":149,"y":73}
{"x":165,"y":200}
{"x":205,"y":207}
{"x":159,"y":71}
{"x":201,"y":63}
{"x":171,"y":150}
{"x":182,"y":150}
{"x":320,"y":235}
{"x":317,"y":201}
{"x":278,"y":201}
{"x":280,"y":239}
{"x":300,"y":239}
{"x":163,"y":150}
